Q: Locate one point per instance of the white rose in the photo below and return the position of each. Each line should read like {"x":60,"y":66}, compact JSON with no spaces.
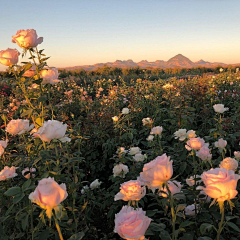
{"x":156,"y":130}
{"x":190,"y":210}
{"x":84,"y":189}
{"x":139,"y":157}
{"x":181,"y":134}
{"x":50,"y":75}
{"x":150,"y":138}
{"x":95,"y":184}
{"x":52,"y":129}
{"x":125,"y":111}
{"x":219,"y":108}
{"x":120,"y":170}
{"x":134,"y":150}
{"x":18,"y":126}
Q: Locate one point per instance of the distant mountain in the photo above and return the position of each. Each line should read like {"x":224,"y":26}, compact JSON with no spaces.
{"x":178,"y":61}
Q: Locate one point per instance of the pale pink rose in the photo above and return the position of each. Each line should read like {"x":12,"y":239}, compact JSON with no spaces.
{"x":220,"y":184}
{"x":157,"y":172}
{"x":134,"y":150}
{"x":195,"y":144}
{"x":237,"y":154}
{"x":191,"y":182}
{"x":131,"y":191}
{"x":139,"y":157}
{"x":4,"y":143}
{"x":31,"y":170}
{"x":131,"y":224}
{"x":204,"y":154}
{"x":147,"y":121}
{"x":191,"y":134}
{"x":30,"y":72}
{"x":18,"y":126}
{"x":181,"y":134}
{"x":27,"y":38}
{"x":50,"y":76}
{"x":221,"y":143}
{"x":174,"y":187}
{"x":190,"y":210}
{"x":48,"y":194}
{"x":9,"y":57}
{"x":8,"y":172}
{"x":229,"y":164}
{"x":156,"y":130}
{"x":52,"y":129}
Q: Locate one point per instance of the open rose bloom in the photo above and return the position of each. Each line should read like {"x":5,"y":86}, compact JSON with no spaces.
{"x":48,"y":194}
{"x":131,"y":191}
{"x":27,"y":38}
{"x":18,"y":126}
{"x":195,"y":144}
{"x":8,"y":172}
{"x":50,"y":76}
{"x":9,"y":57}
{"x":3,"y":145}
{"x":157,"y":172}
{"x":174,"y":187}
{"x":220,"y":184}
{"x":131,"y":224}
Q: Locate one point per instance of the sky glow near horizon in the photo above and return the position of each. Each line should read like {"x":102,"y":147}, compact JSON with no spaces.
{"x":83,"y":32}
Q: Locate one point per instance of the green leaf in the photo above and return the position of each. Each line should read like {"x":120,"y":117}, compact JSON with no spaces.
{"x":18,"y":198}
{"x":26,"y":185}
{"x":185,"y":224}
{"x":233,"y":226}
{"x":25,"y":222}
{"x":44,"y":235}
{"x":157,"y":227}
{"x":204,"y":238}
{"x":27,"y":112}
{"x":164,"y":235}
{"x":205,"y":227}
{"x":180,"y":207}
{"x":13,"y":191}
{"x":77,"y":236}
{"x":42,"y":99}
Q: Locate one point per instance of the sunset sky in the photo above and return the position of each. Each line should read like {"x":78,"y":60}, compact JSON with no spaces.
{"x":82,"y":32}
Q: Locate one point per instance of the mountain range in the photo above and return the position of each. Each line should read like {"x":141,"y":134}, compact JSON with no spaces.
{"x":178,"y":61}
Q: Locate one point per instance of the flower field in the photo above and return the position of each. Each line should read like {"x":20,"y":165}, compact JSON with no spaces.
{"x":114,"y":159}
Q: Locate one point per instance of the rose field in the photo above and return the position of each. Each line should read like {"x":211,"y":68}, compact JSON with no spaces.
{"x":114,"y":158}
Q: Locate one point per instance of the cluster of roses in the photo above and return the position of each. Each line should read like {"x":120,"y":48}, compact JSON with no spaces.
{"x":220,"y":183}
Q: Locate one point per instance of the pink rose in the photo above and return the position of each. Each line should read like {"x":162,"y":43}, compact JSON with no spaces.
{"x":157,"y":172}
{"x":131,"y":224}
{"x":31,"y":72}
{"x":204,"y":154}
{"x":131,"y":191}
{"x":174,"y":187}
{"x":220,"y":183}
{"x":8,"y":172}
{"x":48,"y":194}
{"x":156,"y":130}
{"x":195,"y":144}
{"x":9,"y":57}
{"x":18,"y":126}
{"x":221,"y":143}
{"x":229,"y":164}
{"x":27,"y":38}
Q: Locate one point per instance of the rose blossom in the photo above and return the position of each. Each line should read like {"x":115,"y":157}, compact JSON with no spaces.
{"x":48,"y":194}
{"x":30,"y":72}
{"x":27,"y":38}
{"x":229,"y":164}
{"x":134,"y":150}
{"x":131,"y":191}
{"x":139,"y":157}
{"x":147,"y":121}
{"x":191,"y":134}
{"x":190,"y":181}
{"x":237,"y":155}
{"x":18,"y":126}
{"x":220,"y":184}
{"x":131,"y":224}
{"x":31,"y":170}
{"x":50,"y":75}
{"x":125,"y":111}
{"x":190,"y":210}
{"x":157,"y":172}
{"x":95,"y":184}
{"x":3,"y":145}
{"x":174,"y":187}
{"x":195,"y":144}
{"x":156,"y":130}
{"x":8,"y":172}
{"x":120,"y":170}
{"x":181,"y":134}
{"x":115,"y":118}
{"x":52,"y":129}
{"x":9,"y":57}
{"x":221,"y":143}
{"x":121,"y":150}
{"x":204,"y":154}
{"x":219,"y":108}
